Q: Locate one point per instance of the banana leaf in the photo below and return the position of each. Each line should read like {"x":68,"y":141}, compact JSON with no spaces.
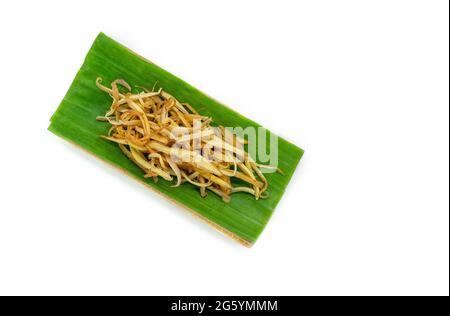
{"x":244,"y":218}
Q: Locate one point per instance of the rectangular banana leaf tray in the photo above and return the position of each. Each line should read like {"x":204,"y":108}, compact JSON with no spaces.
{"x":244,"y":218}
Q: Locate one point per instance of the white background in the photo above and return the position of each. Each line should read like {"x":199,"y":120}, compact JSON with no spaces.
{"x":362,"y":86}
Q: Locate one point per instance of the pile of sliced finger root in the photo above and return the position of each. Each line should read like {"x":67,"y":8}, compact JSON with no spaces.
{"x":171,"y":140}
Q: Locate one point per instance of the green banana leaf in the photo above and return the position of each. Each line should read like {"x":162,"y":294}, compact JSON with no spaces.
{"x":243,"y":218}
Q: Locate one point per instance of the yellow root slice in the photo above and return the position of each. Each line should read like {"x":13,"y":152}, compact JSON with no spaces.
{"x":147,"y":126}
